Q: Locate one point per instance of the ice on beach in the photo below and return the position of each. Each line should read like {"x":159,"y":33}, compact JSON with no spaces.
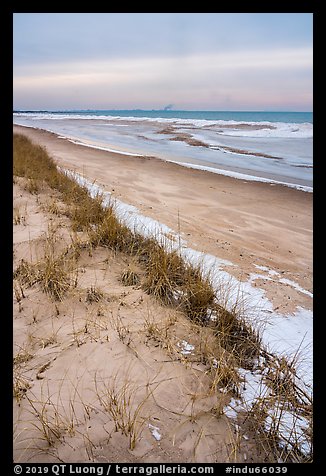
{"x":295,"y":286}
{"x":128,"y":214}
{"x":291,"y":335}
{"x":155,"y":432}
{"x":291,"y":428}
{"x":107,"y":149}
{"x":223,"y":139}
{"x":250,"y":178}
{"x":276,"y":274}
{"x":185,"y":347}
{"x":271,"y":272}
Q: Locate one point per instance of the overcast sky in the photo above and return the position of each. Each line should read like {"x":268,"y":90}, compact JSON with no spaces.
{"x":201,"y":61}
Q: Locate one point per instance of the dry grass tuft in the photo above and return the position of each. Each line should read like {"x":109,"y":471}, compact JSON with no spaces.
{"x":20,"y":386}
{"x":18,"y":217}
{"x":51,"y":273}
{"x":94,"y":295}
{"x":124,"y":404}
{"x":237,"y":336}
{"x":26,"y":273}
{"x":198,"y":295}
{"x":109,"y":232}
{"x":164,"y":270}
{"x":130,"y":276}
{"x":86,"y":212}
{"x":22,"y":357}
{"x":55,"y":280}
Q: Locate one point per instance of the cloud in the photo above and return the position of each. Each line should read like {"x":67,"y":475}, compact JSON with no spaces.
{"x":142,"y":68}
{"x":237,"y":75}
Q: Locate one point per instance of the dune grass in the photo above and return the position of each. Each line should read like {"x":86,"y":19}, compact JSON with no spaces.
{"x":166,"y":276}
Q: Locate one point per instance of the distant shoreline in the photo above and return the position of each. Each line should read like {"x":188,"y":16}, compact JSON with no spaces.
{"x":273,"y":116}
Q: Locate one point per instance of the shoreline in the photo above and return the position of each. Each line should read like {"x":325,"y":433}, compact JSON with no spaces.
{"x":250,"y":224}
{"x":214,"y":170}
{"x":185,"y":157}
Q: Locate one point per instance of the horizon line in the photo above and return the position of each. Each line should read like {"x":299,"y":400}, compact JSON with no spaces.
{"x":160,"y":110}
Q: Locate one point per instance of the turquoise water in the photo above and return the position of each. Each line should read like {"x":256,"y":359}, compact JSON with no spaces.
{"x":242,"y":116}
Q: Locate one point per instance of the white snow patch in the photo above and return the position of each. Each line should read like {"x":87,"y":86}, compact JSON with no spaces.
{"x":296,"y":286}
{"x":185,"y":347}
{"x":272,"y":272}
{"x":289,"y":427}
{"x":155,"y":432}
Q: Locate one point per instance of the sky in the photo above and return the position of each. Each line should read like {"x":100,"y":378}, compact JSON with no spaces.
{"x":184,"y":61}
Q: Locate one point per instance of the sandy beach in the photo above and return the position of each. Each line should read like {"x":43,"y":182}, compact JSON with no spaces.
{"x":249,"y":224}
{"x":108,"y":373}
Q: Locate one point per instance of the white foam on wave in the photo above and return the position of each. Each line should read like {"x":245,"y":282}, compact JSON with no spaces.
{"x":279,"y":129}
{"x":266,"y":129}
